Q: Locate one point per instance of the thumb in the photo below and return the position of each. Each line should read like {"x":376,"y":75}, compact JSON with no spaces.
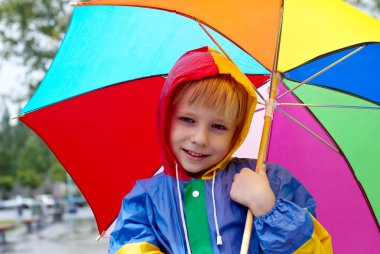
{"x":262,"y":169}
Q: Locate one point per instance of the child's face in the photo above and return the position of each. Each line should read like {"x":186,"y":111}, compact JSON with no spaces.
{"x":200,"y":136}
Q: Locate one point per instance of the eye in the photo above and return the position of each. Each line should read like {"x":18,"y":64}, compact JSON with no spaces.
{"x":219,"y":127}
{"x":186,"y":119}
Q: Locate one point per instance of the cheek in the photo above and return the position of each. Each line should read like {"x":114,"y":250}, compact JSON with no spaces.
{"x":174,"y":142}
{"x":176,"y":134}
{"x":224,"y":143}
{"x":171,"y":134}
{"x":172,"y":138}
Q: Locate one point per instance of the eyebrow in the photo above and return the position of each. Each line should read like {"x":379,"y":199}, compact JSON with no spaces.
{"x":220,"y":118}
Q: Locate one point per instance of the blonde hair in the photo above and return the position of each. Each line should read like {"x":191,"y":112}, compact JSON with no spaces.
{"x":221,"y":92}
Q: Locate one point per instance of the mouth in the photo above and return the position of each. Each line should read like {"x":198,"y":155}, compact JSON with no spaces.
{"x":194,"y":154}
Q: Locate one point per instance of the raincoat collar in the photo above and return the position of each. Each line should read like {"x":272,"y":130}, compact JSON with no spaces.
{"x":195,"y":65}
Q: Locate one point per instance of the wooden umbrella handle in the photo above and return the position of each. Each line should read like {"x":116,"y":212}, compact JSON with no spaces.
{"x":247,"y":233}
{"x":269,"y":109}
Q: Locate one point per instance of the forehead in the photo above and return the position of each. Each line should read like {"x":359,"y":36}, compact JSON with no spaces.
{"x":187,"y":105}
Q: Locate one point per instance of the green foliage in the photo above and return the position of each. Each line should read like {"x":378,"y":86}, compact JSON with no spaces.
{"x":6,"y":146}
{"x":29,"y":178}
{"x":32,"y":156}
{"x":12,"y":139}
{"x":370,"y":6}
{"x":56,"y":171}
{"x":6,"y":185}
{"x":6,"y":162}
{"x":24,"y":158}
{"x":34,"y":30}
{"x":32,"y":163}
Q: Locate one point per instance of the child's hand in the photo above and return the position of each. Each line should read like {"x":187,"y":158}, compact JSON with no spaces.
{"x":252,"y":190}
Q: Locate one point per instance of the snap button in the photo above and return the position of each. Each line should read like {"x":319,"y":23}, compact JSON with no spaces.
{"x":195,"y":194}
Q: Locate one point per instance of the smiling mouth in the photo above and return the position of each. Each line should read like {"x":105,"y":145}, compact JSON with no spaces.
{"x":194,"y":154}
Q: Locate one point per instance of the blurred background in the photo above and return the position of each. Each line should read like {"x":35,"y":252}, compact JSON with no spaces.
{"x":41,"y":209}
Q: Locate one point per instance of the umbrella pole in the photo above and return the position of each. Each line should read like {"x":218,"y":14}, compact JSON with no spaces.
{"x":269,"y":109}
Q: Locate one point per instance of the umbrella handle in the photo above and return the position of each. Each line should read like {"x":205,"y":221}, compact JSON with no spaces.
{"x":260,"y":161}
{"x":269,"y":109}
{"x":247,"y":233}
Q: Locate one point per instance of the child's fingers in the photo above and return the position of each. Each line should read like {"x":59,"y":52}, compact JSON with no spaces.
{"x":262,"y":169}
{"x":235,"y":176}
{"x":242,"y":172}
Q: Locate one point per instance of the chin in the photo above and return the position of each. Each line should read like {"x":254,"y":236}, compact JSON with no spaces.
{"x":196,"y":173}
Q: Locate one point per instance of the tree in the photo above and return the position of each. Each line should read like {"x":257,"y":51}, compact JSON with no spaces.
{"x":32,"y":155}
{"x":33,"y":163}
{"x":56,"y":171}
{"x":7,"y":159}
{"x":29,"y":178}
{"x":369,"y":6}
{"x":12,"y":139}
{"x":6,"y":185}
{"x":6,"y":162}
{"x":34,"y":30}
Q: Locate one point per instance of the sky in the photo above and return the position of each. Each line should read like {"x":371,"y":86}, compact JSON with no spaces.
{"x":11,"y":84}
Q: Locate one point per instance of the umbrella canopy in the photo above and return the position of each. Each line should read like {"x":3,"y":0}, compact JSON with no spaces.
{"x":96,"y":106}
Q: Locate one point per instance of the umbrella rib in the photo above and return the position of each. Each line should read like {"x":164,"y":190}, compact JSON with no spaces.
{"x":224,"y":52}
{"x":307,"y":129}
{"x":260,"y":109}
{"x":322,"y":71}
{"x":329,"y":106}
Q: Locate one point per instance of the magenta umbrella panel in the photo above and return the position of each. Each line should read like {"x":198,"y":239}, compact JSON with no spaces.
{"x":309,"y":149}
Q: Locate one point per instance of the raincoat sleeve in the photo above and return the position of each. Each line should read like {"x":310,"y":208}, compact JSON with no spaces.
{"x":133,"y":232}
{"x":291,"y":227}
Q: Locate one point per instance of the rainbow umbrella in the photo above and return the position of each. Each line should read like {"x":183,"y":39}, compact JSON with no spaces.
{"x":96,"y":106}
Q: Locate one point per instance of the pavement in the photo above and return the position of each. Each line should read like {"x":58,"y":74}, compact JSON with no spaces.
{"x":75,"y":234}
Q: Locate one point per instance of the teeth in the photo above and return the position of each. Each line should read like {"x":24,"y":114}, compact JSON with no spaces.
{"x":195,"y":154}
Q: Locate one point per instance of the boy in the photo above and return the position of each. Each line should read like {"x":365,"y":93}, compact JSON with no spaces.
{"x":199,"y":203}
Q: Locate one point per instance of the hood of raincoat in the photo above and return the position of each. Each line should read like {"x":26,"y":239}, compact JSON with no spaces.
{"x":195,"y":65}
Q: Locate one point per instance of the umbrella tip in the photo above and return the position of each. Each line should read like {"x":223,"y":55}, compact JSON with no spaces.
{"x":100,"y":236}
{"x":76,"y":3}
{"x":15,"y":117}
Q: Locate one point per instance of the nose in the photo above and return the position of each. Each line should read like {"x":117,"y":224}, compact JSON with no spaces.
{"x":200,"y":136}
